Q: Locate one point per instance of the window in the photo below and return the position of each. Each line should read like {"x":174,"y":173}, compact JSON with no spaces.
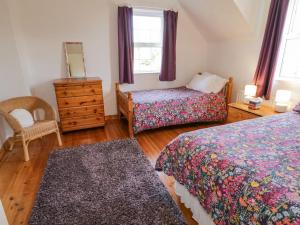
{"x":147,"y":36}
{"x":288,"y":66}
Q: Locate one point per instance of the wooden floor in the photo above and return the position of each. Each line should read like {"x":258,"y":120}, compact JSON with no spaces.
{"x":19,"y":181}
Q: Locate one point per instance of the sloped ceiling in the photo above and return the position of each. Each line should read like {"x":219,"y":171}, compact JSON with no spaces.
{"x":225,"y":19}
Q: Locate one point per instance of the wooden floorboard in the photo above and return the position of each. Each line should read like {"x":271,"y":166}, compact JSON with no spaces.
{"x":19,"y":180}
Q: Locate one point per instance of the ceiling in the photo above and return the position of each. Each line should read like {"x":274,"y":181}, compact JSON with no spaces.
{"x":226,"y":19}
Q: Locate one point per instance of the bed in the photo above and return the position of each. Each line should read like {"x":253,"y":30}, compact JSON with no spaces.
{"x":152,"y":109}
{"x":241,"y":173}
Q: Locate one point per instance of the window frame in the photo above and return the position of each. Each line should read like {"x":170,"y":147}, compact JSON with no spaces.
{"x":286,"y":36}
{"x":149,"y":13}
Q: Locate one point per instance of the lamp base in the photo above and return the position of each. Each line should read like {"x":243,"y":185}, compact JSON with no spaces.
{"x":281,"y":108}
{"x":247,"y":99}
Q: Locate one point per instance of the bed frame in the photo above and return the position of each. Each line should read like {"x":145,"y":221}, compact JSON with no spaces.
{"x":125,"y":103}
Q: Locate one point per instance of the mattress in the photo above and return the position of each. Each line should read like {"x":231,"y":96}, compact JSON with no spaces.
{"x":241,"y":173}
{"x":174,"y":106}
{"x":191,"y":202}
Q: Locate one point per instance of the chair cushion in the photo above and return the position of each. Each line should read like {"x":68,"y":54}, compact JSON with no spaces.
{"x":23,"y":117}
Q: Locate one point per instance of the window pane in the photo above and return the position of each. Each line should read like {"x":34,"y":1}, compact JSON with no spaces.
{"x":147,"y":60}
{"x":147,"y":29}
{"x":290,"y":64}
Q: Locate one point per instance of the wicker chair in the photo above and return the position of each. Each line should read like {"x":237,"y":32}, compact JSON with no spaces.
{"x":40,"y":127}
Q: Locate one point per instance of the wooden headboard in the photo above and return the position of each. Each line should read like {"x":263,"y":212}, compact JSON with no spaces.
{"x":227,"y":90}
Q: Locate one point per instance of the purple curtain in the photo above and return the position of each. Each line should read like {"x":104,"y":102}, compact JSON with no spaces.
{"x":265,"y":71}
{"x":168,"y":67}
{"x":126,"y":48}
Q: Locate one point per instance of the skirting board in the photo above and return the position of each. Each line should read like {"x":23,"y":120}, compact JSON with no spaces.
{"x":111,"y":117}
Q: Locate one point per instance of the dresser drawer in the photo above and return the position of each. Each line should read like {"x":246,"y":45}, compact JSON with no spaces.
{"x":80,"y":101}
{"x":82,"y":122}
{"x":96,"y":110}
{"x":78,"y":90}
{"x":238,"y":115}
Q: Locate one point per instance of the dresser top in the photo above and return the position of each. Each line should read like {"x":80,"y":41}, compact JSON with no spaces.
{"x":76,"y":80}
{"x":263,"y":111}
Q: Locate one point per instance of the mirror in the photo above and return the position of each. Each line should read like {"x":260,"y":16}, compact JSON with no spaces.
{"x":75,"y":59}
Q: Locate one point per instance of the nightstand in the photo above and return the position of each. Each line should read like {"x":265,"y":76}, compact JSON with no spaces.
{"x":240,"y":111}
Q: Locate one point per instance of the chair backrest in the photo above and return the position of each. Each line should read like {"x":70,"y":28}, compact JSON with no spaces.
{"x":29,"y":103}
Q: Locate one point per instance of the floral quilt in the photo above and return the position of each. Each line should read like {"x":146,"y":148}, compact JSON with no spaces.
{"x":242,"y":173}
{"x":165,"y":107}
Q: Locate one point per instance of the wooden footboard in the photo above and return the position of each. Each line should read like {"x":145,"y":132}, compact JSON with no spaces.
{"x":125,"y":107}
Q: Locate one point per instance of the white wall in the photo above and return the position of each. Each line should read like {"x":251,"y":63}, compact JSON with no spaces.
{"x":249,"y":9}
{"x":3,"y":219}
{"x":238,"y":57}
{"x":42,"y":26}
{"x":234,"y":58}
{"x":12,"y":83}
{"x":223,"y":19}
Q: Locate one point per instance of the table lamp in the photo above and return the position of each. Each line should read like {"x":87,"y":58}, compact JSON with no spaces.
{"x":282,"y":100}
{"x":250,"y":92}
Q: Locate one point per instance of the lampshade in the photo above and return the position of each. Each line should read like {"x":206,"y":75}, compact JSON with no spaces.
{"x":250,"y":90}
{"x":283,"y":96}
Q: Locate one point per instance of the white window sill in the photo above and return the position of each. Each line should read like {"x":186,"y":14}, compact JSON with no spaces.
{"x":149,"y":73}
{"x":287,"y":79}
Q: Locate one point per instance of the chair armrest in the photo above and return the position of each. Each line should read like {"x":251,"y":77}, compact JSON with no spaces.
{"x":15,"y":125}
{"x":50,"y":113}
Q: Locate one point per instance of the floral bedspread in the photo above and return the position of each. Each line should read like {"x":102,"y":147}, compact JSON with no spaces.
{"x":242,"y":173}
{"x":165,"y":107}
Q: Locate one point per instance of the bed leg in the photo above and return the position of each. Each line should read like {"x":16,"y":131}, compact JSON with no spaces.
{"x":130,"y":129}
{"x":117,"y":98}
{"x":130,"y":115}
{"x":118,"y":113}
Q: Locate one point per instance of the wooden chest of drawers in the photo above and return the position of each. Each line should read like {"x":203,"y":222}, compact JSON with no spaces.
{"x":80,"y":103}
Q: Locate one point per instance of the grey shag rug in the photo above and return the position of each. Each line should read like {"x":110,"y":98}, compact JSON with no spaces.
{"x":104,"y":183}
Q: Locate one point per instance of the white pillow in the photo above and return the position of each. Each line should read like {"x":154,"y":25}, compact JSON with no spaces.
{"x":215,"y":84}
{"x":196,"y":81}
{"x":210,"y":84}
{"x":23,"y":117}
